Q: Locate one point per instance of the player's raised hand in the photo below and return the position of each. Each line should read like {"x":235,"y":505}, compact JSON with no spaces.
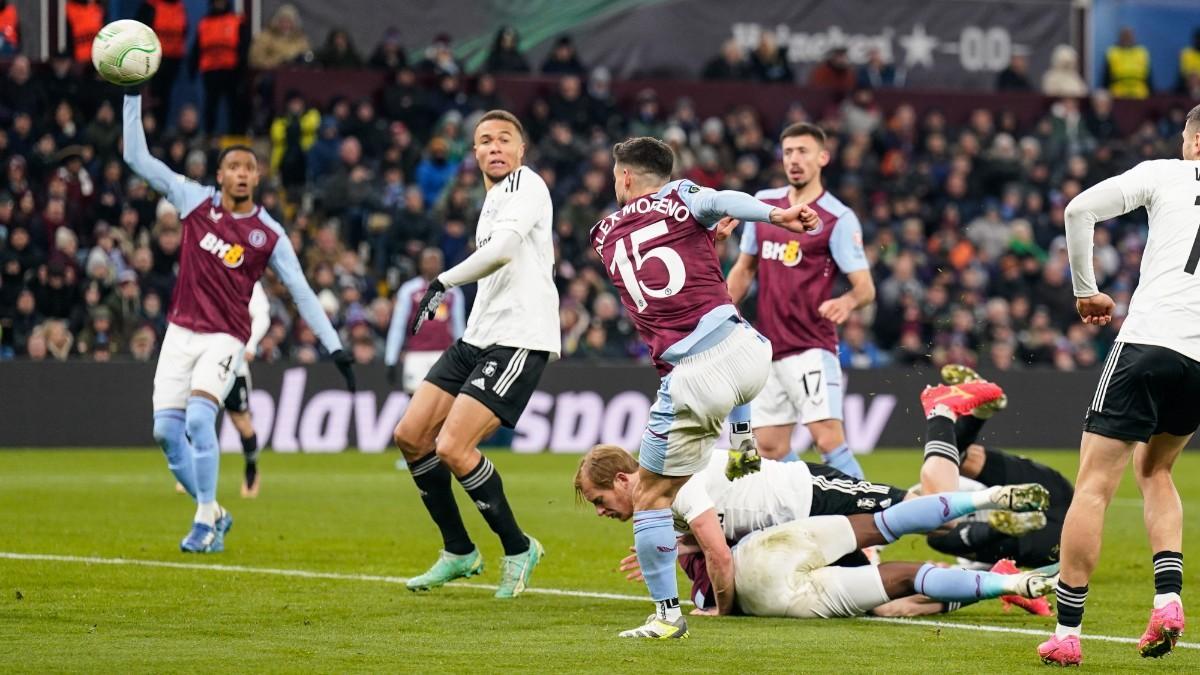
{"x":343,"y":361}
{"x":799,"y":218}
{"x":631,"y":565}
{"x":428,"y":307}
{"x":1096,"y":310}
{"x":726,"y":226}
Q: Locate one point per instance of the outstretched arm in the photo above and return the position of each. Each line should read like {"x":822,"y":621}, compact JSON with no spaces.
{"x":709,"y":206}
{"x":184,"y":194}
{"x":287,"y":266}
{"x":496,"y":253}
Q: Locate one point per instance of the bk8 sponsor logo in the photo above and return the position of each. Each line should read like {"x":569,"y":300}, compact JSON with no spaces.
{"x":232,"y":255}
{"x":786,"y":252}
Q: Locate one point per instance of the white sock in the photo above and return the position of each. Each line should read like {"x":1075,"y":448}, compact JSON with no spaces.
{"x":1062,"y":631}
{"x":1163,"y":599}
{"x":739,"y":432}
{"x":667,"y":612}
{"x":206,"y":512}
{"x":942,"y":410}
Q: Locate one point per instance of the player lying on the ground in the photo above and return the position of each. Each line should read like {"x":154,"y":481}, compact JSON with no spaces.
{"x":778,"y":495}
{"x":992,"y":540}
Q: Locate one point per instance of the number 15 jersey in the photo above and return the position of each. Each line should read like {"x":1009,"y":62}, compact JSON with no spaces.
{"x":1165,"y":308}
{"x":661,"y":258}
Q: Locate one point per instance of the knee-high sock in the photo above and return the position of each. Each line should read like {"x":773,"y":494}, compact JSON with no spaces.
{"x":966,"y":432}
{"x":433,"y":483}
{"x":169,"y":433}
{"x":485,"y":488}
{"x":202,"y":429}
{"x":843,"y":460}
{"x":959,"y":585}
{"x":926,"y":513}
{"x":654,"y":540}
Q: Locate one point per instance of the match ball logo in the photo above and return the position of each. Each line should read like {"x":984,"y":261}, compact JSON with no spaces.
{"x":232,"y":255}
{"x":786,"y":252}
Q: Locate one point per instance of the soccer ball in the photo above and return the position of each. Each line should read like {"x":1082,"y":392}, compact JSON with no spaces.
{"x":126,"y":52}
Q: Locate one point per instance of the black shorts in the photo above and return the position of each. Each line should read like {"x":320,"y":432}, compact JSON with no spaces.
{"x":1145,"y":390}
{"x":837,"y":494}
{"x":501,"y":378}
{"x":238,"y":400}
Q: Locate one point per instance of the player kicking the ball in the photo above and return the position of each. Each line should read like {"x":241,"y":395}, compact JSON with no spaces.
{"x":228,"y":242}
{"x":486,"y":377}
{"x":658,"y":250}
{"x":1145,"y":403}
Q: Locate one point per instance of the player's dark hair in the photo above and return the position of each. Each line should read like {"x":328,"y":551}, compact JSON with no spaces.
{"x":237,"y":147}
{"x":504,"y":116}
{"x":804,"y":129}
{"x":601,"y":465}
{"x":648,"y":155}
{"x":1193,"y":119}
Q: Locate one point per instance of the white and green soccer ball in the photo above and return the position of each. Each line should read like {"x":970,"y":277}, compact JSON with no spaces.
{"x":126,"y":52}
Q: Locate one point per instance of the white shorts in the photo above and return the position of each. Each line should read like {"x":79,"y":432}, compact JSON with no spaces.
{"x":695,"y":398}
{"x":804,"y":387}
{"x":782,"y":571}
{"x":206,"y":362}
{"x":416,"y":367}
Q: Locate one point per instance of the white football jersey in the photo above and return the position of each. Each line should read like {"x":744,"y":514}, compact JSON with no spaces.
{"x":1165,"y":309}
{"x":779,"y":492}
{"x":517,"y":306}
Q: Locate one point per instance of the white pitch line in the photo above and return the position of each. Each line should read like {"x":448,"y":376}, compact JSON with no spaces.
{"x":337,"y":576}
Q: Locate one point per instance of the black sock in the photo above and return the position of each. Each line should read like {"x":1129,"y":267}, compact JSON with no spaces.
{"x":486,"y":489}
{"x":939,"y":439}
{"x":966,"y":432}
{"x":1070,"y":604}
{"x":965,"y":540}
{"x":1168,"y":572}
{"x":433,"y":482}
{"x":250,"y":452}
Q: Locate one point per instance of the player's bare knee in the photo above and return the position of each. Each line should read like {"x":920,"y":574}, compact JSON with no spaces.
{"x":771,"y":450}
{"x":827,"y":435}
{"x":413,"y":440}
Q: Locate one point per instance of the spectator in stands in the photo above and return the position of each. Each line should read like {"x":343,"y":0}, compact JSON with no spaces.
{"x":20,"y":93}
{"x":389,"y":53}
{"x":59,"y":340}
{"x":646,"y":120}
{"x":769,"y":61}
{"x":1189,"y":66}
{"x":219,"y":56}
{"x":404,"y":99}
{"x":61,"y":83}
{"x":168,"y":19}
{"x":730,"y":64}
{"x":486,"y":96}
{"x":84,"y":19}
{"x":879,"y":74}
{"x":292,"y":135}
{"x":1063,"y":78}
{"x":834,"y":72}
{"x":1127,"y":67}
{"x":439,"y":58}
{"x":283,"y":40}
{"x":17,"y":327}
{"x":435,"y":170}
{"x":339,"y":51}
{"x":506,"y":56}
{"x":571,"y":105}
{"x":562,"y":59}
{"x":10,"y":29}
{"x":1015,"y":77}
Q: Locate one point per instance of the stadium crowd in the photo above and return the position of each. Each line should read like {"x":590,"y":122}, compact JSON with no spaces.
{"x":963,"y":224}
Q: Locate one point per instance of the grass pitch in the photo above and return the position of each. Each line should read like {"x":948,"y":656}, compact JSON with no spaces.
{"x":320,"y":556}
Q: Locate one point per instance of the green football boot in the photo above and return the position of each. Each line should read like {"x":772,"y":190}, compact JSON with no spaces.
{"x":515,"y":570}
{"x":447,"y":568}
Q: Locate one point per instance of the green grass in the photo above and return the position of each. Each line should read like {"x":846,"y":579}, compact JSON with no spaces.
{"x":353,"y":514}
